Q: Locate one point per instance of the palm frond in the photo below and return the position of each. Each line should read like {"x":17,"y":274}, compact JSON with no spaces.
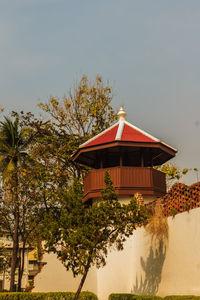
{"x":13,"y":143}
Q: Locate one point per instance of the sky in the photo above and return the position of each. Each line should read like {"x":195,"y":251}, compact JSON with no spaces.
{"x":149,"y":50}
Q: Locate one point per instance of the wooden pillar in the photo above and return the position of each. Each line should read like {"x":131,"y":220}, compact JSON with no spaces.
{"x":121,"y":159}
{"x":142,"y":157}
{"x":101,"y":162}
{"x":150,"y":156}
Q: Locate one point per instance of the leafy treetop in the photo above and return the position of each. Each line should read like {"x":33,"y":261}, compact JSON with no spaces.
{"x":85,"y":111}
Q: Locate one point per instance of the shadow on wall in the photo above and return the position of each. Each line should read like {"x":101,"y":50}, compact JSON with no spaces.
{"x":152,"y":268}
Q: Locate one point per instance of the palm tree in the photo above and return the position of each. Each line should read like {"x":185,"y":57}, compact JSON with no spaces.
{"x":13,"y":143}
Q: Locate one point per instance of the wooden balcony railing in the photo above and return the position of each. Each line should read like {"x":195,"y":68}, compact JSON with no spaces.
{"x":127,"y":181}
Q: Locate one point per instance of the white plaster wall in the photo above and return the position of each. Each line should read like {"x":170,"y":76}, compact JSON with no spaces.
{"x":181,"y":269}
{"x":143,"y":267}
{"x":116,"y":276}
{"x":55,"y":278}
{"x":172,"y":268}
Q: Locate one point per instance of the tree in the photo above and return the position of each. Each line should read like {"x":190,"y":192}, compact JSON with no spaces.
{"x":81,"y":236}
{"x":81,"y":114}
{"x":12,"y":146}
{"x":174,"y":173}
{"x":14,"y":143}
{"x":85,"y":111}
{"x":32,"y":202}
{"x":31,"y":208}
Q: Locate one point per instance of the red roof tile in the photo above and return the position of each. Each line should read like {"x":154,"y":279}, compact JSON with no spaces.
{"x":106,"y":137}
{"x":130,"y":134}
{"x":122,"y":131}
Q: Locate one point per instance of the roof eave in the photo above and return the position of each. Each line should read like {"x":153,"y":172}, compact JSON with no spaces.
{"x":164,"y":147}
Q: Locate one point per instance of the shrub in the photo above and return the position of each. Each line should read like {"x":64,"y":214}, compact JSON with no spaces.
{"x":182,"y":297}
{"x":121,"y":296}
{"x":47,"y":296}
{"x":132,"y":297}
{"x":149,"y":297}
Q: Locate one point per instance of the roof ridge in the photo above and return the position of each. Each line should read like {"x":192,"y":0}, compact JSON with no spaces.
{"x":120,"y":129}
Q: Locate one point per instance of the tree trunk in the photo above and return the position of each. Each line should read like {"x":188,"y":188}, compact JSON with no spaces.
{"x":15,"y":236}
{"x":14,"y":251}
{"x":21,"y":268}
{"x":19,"y":271}
{"x":4,"y":275}
{"x":82,"y":280}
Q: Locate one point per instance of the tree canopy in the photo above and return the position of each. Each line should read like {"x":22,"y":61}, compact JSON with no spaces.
{"x":81,"y":236}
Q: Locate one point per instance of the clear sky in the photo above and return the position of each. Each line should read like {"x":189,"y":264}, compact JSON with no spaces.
{"x":148,"y":49}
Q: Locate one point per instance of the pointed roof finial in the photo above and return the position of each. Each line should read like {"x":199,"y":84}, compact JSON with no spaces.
{"x":121,"y":114}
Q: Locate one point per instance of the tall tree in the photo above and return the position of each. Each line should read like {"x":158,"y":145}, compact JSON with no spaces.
{"x":11,"y":151}
{"x":81,"y":236}
{"x":84,"y":112}
{"x":14,"y":142}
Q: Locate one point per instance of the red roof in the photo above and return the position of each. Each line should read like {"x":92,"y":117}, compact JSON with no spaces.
{"x":107,"y":136}
{"x":130,"y":134}
{"x":121,"y":131}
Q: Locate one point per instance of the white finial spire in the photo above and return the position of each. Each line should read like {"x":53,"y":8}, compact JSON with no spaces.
{"x":121,"y":114}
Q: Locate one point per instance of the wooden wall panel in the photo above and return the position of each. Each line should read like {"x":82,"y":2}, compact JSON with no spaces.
{"x":128,"y":179}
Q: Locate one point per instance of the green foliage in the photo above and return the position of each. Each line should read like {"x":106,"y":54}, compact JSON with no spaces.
{"x":14,"y":141}
{"x":121,"y":297}
{"x":81,"y":236}
{"x":132,"y":297}
{"x":109,"y":191}
{"x":38,"y":154}
{"x":174,"y":173}
{"x":148,"y":297}
{"x":173,"y":212}
{"x":182,"y":297}
{"x":13,"y":146}
{"x":47,"y":296}
{"x":5,"y":258}
{"x":20,"y":204}
{"x":85,"y":111}
{"x":87,"y":296}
